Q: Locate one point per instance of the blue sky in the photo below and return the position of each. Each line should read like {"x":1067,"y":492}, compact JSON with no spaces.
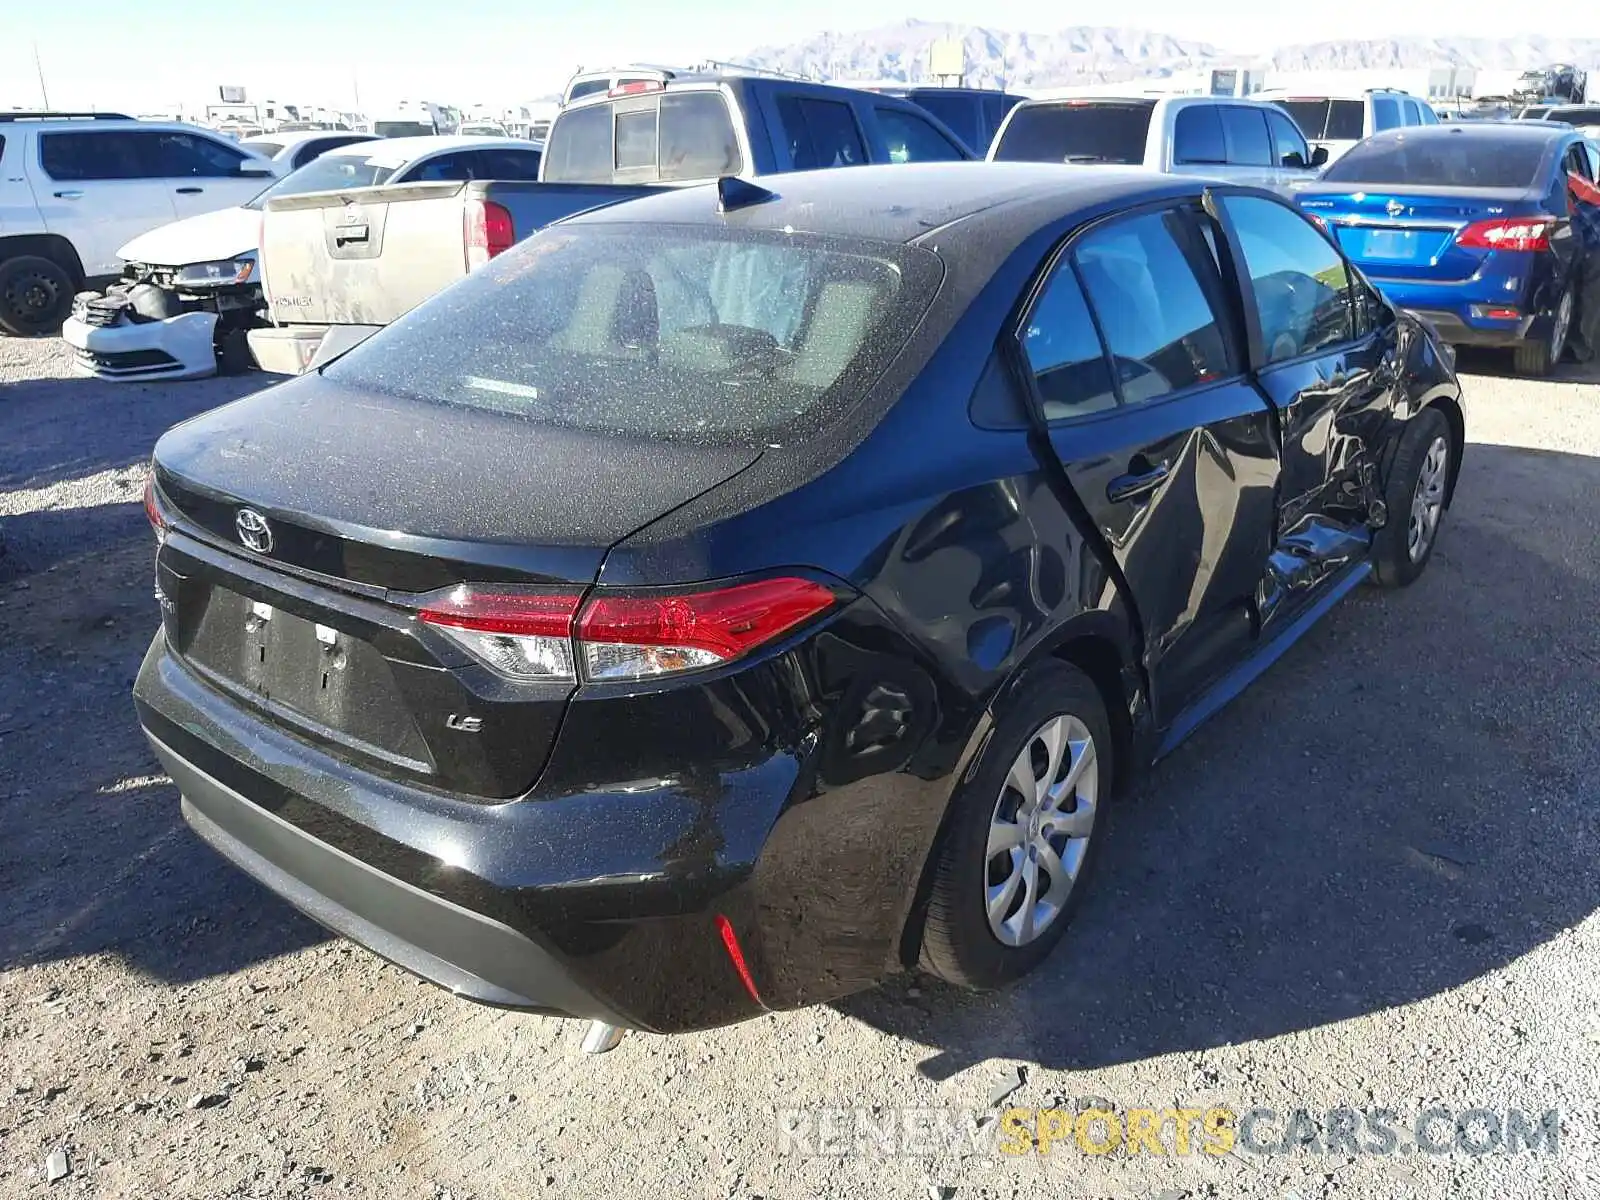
{"x":146,"y":54}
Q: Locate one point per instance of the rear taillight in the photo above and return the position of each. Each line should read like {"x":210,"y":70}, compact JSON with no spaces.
{"x":152,"y":509}
{"x":489,"y":229}
{"x":1320,"y":222}
{"x":545,"y":635}
{"x":525,"y":635}
{"x":1507,"y":233}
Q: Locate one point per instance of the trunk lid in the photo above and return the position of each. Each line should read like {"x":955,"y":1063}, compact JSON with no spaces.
{"x":371,"y":500}
{"x":1411,"y":232}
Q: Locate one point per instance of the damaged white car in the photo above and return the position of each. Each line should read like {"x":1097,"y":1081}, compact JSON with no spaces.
{"x":191,"y":290}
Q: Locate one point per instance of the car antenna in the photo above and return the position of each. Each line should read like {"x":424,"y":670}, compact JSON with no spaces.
{"x":734,"y":193}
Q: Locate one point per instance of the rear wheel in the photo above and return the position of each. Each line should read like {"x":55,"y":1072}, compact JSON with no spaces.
{"x":1419,"y":481}
{"x":1022,"y":835}
{"x":1540,"y":357}
{"x":35,"y":295}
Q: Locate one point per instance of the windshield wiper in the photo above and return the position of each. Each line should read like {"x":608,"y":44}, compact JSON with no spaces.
{"x":1090,"y":158}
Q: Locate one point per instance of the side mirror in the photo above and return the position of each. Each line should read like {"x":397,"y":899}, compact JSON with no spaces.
{"x":1319,"y":157}
{"x":1293,"y":159}
{"x":254,"y":169}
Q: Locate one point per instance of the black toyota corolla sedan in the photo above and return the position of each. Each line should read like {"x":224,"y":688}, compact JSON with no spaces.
{"x":726,"y":600}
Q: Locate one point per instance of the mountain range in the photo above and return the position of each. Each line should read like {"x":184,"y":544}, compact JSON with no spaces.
{"x":1092,"y":53}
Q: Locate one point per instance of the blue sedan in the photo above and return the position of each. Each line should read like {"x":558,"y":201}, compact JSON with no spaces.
{"x":1488,"y":230}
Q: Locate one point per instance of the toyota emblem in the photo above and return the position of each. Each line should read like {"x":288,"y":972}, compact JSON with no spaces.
{"x":253,"y":530}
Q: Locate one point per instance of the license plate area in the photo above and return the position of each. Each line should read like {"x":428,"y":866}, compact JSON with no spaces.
{"x":322,"y":678}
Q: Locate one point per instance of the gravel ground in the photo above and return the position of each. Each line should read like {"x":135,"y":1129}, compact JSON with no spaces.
{"x":1371,"y":882}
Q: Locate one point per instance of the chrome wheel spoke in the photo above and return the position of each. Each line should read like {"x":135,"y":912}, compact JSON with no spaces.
{"x":1054,"y":737}
{"x":1005,"y":835}
{"x":1078,"y":824}
{"x":1030,"y":901}
{"x":1082,"y":764}
{"x":1050,"y":863}
{"x":1021,"y":779}
{"x":1002,"y":895}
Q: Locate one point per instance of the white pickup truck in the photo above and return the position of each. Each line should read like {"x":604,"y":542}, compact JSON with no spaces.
{"x":76,"y":187}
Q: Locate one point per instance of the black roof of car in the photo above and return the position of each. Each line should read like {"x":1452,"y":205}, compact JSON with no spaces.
{"x":907,"y":202}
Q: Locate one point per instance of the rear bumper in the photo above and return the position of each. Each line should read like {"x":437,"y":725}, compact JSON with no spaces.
{"x":570,"y":905}
{"x":474,"y":956}
{"x":1458,"y":329}
{"x":286,"y":349}
{"x":181,"y":347}
{"x":1522,"y":282}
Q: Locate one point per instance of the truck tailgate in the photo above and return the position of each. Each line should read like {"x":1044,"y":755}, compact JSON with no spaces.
{"x":368,"y":255}
{"x":361,"y":257}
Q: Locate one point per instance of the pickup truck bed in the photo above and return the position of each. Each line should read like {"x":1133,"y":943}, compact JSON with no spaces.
{"x":360,"y":259}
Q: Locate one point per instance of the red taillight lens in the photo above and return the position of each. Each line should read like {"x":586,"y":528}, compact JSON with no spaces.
{"x":524,"y":635}
{"x":152,"y":508}
{"x":1320,"y":222}
{"x":630,"y":637}
{"x":543,"y":636}
{"x":490,"y":231}
{"x":1507,"y":233}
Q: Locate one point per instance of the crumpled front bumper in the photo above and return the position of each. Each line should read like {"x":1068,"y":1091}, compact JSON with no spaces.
{"x":181,"y":347}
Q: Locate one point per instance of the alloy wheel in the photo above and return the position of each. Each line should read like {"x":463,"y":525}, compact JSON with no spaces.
{"x":1427,"y":501}
{"x":1040,"y":830}
{"x":1561,"y":327}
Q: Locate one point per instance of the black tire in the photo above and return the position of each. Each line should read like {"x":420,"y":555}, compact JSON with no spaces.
{"x":233,"y":353}
{"x":35,"y":296}
{"x":1393,"y":563}
{"x":958,"y":943}
{"x":1541,"y":357}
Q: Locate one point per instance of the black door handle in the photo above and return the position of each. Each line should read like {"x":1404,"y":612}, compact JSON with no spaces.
{"x":1141,"y":483}
{"x":190,"y":191}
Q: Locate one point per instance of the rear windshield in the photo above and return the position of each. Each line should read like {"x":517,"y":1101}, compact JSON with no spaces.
{"x":1574,"y":116}
{"x":1076,"y":132}
{"x":331,"y":173}
{"x":1449,"y":158}
{"x":1327,"y":120}
{"x":672,"y":137}
{"x":662,"y":333}
{"x":404,"y":129}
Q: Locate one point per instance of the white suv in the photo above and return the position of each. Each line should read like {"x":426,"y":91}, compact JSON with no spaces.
{"x":1216,"y":136}
{"x":1336,"y":123}
{"x":74,"y":188}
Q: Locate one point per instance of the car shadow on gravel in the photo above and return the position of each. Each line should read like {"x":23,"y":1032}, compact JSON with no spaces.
{"x":1476,"y":360}
{"x":94,"y":858}
{"x":1407,"y":801}
{"x":59,"y":430}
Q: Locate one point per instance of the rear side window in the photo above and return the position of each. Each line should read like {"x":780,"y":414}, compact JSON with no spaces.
{"x":1088,"y":132}
{"x":446,"y":168}
{"x":961,"y":112}
{"x":1158,"y":324}
{"x":1301,"y":284}
{"x":821,"y":133}
{"x":1197,"y":135}
{"x":1064,"y":352}
{"x":508,"y":164}
{"x":909,"y":138}
{"x":697,"y":140}
{"x":589,"y":87}
{"x":1445,"y":157}
{"x":1246,"y":131}
{"x":1575,"y":116}
{"x":78,"y":157}
{"x":1310,"y":115}
{"x":1289,"y":148}
{"x":1411,"y":116}
{"x":1385,"y":113}
{"x":579,"y":149}
{"x":703,"y":335}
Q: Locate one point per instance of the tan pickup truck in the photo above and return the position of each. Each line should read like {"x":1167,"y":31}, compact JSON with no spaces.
{"x":338,"y":266}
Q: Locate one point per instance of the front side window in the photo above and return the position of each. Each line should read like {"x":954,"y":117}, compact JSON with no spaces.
{"x":1347,"y":120}
{"x":1289,"y":147}
{"x":1142,"y":279}
{"x":444,"y":168}
{"x":1246,"y":131}
{"x":1385,"y":113}
{"x":1197,"y":136}
{"x":911,"y":139}
{"x":1411,"y":116}
{"x":185,"y":156}
{"x":1301,"y":284}
{"x":1064,"y":352}
{"x":821,"y":133}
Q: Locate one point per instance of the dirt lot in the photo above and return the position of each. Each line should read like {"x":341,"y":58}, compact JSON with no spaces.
{"x":1371,"y":882}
